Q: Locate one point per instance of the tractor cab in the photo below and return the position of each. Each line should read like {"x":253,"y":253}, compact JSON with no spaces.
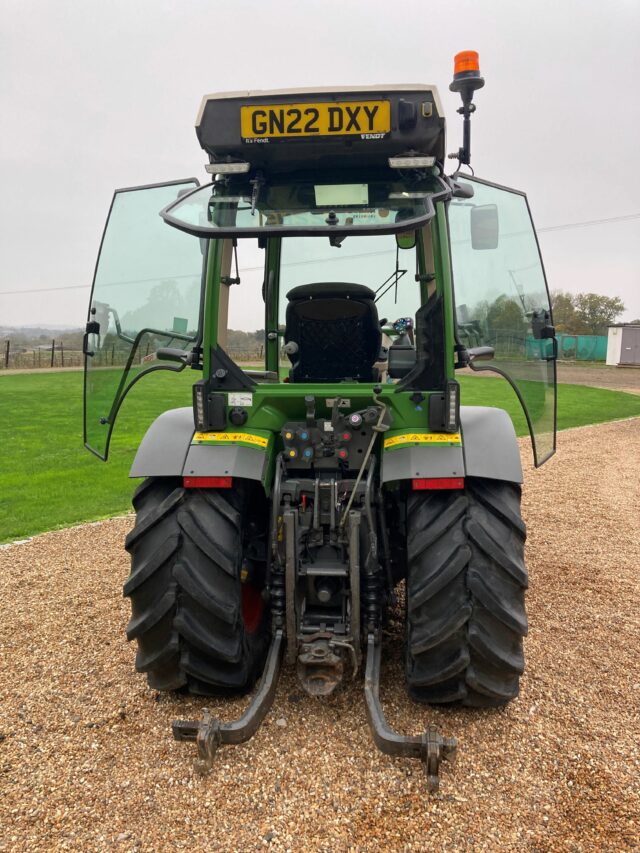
{"x":331,"y":292}
{"x":329,"y":233}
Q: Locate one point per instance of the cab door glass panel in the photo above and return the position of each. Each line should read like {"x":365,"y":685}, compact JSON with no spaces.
{"x":502,"y":300}
{"x":146,"y":295}
{"x":241,"y":317}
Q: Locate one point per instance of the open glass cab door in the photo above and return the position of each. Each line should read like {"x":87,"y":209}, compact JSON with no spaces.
{"x":502,"y":300}
{"x":146,"y":294}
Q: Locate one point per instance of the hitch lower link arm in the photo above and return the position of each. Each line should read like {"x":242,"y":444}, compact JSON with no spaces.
{"x":209,"y":733}
{"x":430,"y":747}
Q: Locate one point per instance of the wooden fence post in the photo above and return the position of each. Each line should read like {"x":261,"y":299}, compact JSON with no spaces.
{"x":53,"y":351}
{"x":6,"y":357}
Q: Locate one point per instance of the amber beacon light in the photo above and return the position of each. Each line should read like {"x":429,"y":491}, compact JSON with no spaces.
{"x":466,"y":79}
{"x":464,"y":62}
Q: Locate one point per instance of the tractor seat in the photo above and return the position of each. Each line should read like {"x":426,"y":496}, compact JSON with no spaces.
{"x":335,"y":326}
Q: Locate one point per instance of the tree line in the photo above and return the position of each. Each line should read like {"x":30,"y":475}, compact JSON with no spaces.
{"x":585,"y":313}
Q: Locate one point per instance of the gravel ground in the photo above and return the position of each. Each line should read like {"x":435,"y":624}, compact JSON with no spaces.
{"x":88,"y":763}
{"x":600,"y":376}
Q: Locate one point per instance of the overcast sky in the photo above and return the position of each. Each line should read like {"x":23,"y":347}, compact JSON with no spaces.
{"x":95,"y":96}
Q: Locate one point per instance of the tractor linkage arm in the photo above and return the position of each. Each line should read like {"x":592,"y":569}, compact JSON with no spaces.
{"x":431,"y":748}
{"x":209,"y":734}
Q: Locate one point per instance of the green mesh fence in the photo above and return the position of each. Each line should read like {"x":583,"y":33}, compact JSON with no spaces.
{"x":583,"y":347}
{"x":576,"y":347}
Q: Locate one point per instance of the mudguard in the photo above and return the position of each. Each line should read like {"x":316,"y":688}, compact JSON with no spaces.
{"x":167,"y":451}
{"x":489,"y":448}
{"x":489,"y":444}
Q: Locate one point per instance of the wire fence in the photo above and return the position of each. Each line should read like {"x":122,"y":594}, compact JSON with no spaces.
{"x":55,"y":356}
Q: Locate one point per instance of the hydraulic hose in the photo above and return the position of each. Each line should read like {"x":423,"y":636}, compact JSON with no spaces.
{"x":377,"y":428}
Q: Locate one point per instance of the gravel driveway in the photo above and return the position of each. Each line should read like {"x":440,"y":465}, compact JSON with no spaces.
{"x":88,"y":763}
{"x":578,"y":373}
{"x":600,"y":376}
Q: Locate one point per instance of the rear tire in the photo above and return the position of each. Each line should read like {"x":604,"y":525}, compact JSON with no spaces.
{"x":197,"y":626}
{"x":465,"y":594}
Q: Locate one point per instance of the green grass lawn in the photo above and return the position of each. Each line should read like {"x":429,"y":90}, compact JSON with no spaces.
{"x":48,"y":480}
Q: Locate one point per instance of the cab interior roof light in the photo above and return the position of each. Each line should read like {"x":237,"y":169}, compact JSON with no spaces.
{"x":230,"y":199}
{"x":239,"y":167}
{"x":410,"y":162}
{"x":403,"y":194}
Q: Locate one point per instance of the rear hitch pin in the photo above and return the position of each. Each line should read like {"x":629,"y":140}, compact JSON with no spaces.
{"x":430,"y":747}
{"x":209,"y":734}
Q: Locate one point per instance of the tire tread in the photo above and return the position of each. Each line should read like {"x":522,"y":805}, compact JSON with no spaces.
{"x":185,"y":591}
{"x":465,"y":594}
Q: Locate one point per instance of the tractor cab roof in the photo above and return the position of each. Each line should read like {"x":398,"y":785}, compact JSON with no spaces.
{"x":323,"y":128}
{"x":317,"y":161}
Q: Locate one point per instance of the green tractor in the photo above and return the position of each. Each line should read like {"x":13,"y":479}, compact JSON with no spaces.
{"x":326,"y":285}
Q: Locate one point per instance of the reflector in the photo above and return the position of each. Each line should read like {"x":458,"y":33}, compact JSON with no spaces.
{"x":207,"y":482}
{"x":420,"y":483}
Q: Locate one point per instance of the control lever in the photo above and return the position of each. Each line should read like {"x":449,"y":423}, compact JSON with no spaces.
{"x":378,"y":427}
{"x":174,"y":354}
{"x":310,"y":405}
{"x":338,"y":403}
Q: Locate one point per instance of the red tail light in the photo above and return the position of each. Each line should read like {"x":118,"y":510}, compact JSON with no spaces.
{"x":438,"y":483}
{"x":207,"y":482}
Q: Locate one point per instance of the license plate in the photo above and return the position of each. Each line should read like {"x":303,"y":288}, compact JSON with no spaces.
{"x":369,"y":119}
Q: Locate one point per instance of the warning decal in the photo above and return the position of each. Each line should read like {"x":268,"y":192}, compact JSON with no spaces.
{"x":230,"y":438}
{"x":432,"y":438}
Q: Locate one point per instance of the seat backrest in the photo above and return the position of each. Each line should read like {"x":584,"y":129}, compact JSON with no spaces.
{"x":336,"y":328}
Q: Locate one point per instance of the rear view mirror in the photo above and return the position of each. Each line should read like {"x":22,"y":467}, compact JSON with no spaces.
{"x":484,"y":226}
{"x":406,"y":239}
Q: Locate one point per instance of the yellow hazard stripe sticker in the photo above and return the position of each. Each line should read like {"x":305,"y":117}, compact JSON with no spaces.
{"x":423,"y":438}
{"x":230,"y":438}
